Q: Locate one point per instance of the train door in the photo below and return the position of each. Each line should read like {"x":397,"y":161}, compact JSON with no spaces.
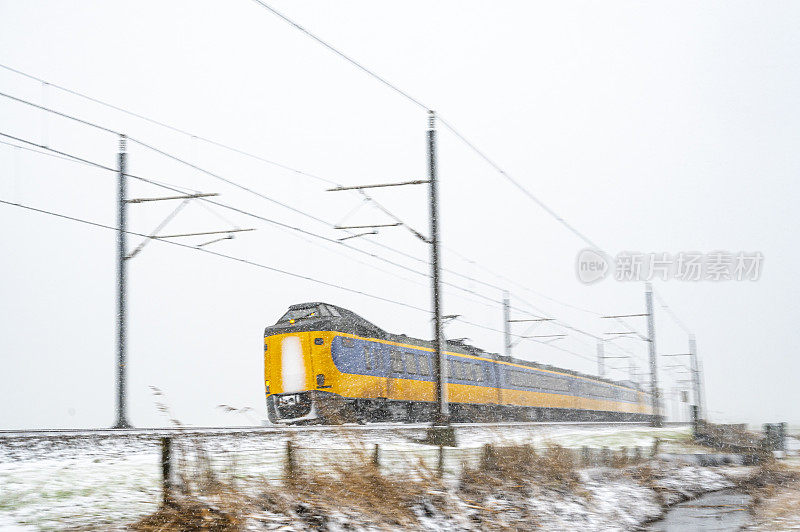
{"x":321,"y":362}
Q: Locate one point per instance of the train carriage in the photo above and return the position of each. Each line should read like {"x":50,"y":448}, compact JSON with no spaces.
{"x":326,"y":364}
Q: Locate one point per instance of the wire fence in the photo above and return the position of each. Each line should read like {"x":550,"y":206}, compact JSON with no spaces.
{"x":103,"y":481}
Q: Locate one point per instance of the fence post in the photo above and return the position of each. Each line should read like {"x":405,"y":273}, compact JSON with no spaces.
{"x":656,"y":445}
{"x":166,"y":468}
{"x":440,"y":462}
{"x":290,"y":467}
{"x":376,"y":456}
{"x":488,"y":459}
{"x":605,"y":456}
{"x":586,"y":458}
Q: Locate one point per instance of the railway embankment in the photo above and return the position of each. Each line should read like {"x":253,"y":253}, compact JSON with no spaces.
{"x":509,"y":486}
{"x":601,"y":476}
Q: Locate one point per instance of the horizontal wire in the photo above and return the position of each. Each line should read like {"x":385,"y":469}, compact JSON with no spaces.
{"x":68,"y":156}
{"x":222,"y":255}
{"x":458,"y":134}
{"x":274,"y":222}
{"x":298,"y":211}
{"x":486,"y":327}
{"x":61,"y":153}
{"x":342,"y":55}
{"x":59,"y":113}
{"x":164,"y":125}
{"x":270,"y":268}
{"x":301,"y":172}
{"x":383,"y":246}
{"x":264,"y":266}
{"x":519,"y":186}
{"x":671,"y":313}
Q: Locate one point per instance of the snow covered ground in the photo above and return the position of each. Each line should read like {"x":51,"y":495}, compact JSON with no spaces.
{"x":104,"y":482}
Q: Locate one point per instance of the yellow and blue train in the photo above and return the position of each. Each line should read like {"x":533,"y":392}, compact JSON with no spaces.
{"x":326,"y":364}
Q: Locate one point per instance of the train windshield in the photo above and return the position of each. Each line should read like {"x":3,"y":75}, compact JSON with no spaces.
{"x":305,"y":313}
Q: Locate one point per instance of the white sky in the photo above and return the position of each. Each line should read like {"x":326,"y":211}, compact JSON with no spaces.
{"x":648,"y":126}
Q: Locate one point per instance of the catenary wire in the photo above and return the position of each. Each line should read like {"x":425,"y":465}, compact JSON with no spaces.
{"x":262,"y":218}
{"x":222,"y":255}
{"x":259,"y":265}
{"x":274,"y":222}
{"x":450,"y":127}
{"x":295,"y":170}
{"x":85,"y":122}
{"x":671,"y":313}
{"x":342,"y":55}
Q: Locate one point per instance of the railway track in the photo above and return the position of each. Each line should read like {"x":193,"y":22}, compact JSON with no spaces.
{"x":278,"y":430}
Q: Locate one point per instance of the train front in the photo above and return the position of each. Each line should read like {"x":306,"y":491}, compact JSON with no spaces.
{"x":299,"y":375}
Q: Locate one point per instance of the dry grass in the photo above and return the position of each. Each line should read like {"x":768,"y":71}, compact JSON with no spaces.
{"x":189,"y":514}
{"x":775,"y":492}
{"x":357,"y":486}
{"x":520,"y":466}
{"x":779,"y":506}
{"x":201,"y":500}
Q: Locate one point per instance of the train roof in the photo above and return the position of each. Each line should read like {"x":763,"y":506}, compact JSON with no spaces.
{"x":342,"y":319}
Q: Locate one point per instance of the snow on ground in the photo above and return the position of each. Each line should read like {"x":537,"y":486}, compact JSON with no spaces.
{"x":604,"y":500}
{"x":52,"y":483}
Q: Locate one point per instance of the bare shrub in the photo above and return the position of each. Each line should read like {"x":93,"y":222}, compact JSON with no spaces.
{"x":355,"y":485}
{"x":519,"y":466}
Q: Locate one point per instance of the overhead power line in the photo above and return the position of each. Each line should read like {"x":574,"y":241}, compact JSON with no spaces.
{"x":671,"y":313}
{"x":165,"y":125}
{"x":70,"y":157}
{"x":221,"y":255}
{"x":343,"y":55}
{"x":449,"y":126}
{"x":282,"y":166}
{"x":263,"y":266}
{"x":486,"y":299}
{"x":64,"y":155}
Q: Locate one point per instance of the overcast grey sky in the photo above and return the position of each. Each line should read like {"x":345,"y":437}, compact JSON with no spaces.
{"x":654,"y":127}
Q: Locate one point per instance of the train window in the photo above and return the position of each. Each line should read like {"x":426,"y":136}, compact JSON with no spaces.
{"x":368,"y":357}
{"x":477,"y":373}
{"x":347,"y":342}
{"x":397,"y":361}
{"x":411,"y":363}
{"x":456,"y":369}
{"x":424,"y":365}
{"x":487,"y":375}
{"x":302,"y":314}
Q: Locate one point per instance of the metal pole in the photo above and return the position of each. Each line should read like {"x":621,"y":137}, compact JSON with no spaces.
{"x":601,"y":363}
{"x":122,"y":421}
{"x":695,"y":376}
{"x":441,"y":416}
{"x":703,"y":396}
{"x":651,"y":337}
{"x":506,"y":324}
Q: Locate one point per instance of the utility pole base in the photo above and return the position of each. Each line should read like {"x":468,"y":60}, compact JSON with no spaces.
{"x":442,"y":435}
{"x":122,"y":424}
